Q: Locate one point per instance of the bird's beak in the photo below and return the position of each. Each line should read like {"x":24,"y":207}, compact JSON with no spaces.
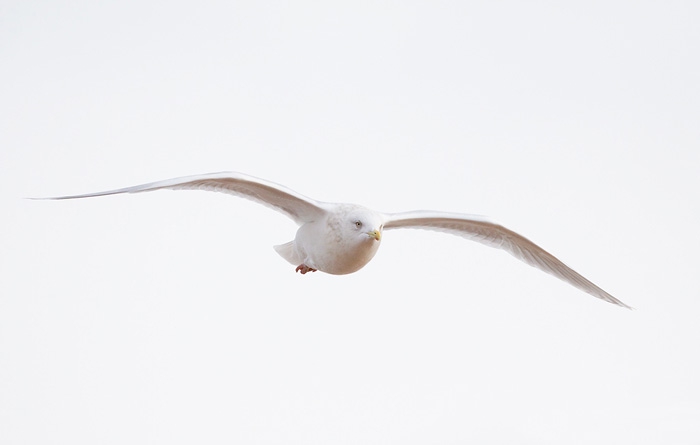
{"x":376,"y":234}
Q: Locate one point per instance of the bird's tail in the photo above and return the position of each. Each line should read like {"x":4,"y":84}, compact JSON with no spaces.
{"x":288,"y":252}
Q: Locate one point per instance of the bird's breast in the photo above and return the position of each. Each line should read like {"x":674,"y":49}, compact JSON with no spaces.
{"x":333,"y":253}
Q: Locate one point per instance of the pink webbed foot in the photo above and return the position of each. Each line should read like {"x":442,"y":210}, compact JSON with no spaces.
{"x":303,"y":268}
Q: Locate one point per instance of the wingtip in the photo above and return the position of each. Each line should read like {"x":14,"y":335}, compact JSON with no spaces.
{"x":617,"y":302}
{"x":48,"y":198}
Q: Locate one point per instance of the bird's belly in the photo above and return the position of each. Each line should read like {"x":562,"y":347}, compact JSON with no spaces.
{"x":343,"y":266}
{"x":345,"y":261}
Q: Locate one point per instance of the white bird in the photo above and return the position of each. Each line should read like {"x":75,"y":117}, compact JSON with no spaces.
{"x":342,"y":238}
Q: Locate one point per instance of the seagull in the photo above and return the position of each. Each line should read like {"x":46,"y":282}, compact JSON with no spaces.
{"x":340,"y":239}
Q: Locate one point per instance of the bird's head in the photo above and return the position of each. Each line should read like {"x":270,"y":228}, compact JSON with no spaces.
{"x":356,"y":225}
{"x":364,"y":225}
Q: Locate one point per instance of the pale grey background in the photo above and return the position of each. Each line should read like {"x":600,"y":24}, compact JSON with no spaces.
{"x":167,"y":317}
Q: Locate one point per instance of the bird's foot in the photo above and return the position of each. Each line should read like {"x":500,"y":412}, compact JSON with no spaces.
{"x":303,"y":268}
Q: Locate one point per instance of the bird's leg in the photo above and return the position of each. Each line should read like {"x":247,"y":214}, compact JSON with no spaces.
{"x":303,"y":268}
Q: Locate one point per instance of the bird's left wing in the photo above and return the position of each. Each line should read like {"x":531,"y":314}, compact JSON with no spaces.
{"x":296,"y":206}
{"x":482,"y":230}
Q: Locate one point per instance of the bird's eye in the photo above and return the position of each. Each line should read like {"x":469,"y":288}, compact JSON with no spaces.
{"x":358,"y":224}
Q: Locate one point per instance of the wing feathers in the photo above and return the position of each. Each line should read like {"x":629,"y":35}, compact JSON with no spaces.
{"x":296,"y":206}
{"x":482,"y":230}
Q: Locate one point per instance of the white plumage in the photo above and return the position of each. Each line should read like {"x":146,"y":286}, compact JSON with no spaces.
{"x":343,"y":238}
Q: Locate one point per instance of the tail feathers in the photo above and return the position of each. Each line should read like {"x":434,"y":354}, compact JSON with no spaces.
{"x":288,"y":252}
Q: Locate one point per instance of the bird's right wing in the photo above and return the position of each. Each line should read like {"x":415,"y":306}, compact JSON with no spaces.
{"x":296,"y":206}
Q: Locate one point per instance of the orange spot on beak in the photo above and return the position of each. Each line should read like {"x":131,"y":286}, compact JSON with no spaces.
{"x":376,"y":234}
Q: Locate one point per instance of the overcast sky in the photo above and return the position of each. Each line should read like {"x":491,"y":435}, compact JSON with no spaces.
{"x":167,"y":317}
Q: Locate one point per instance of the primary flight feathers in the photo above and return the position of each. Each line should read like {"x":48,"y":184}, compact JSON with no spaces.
{"x":342,"y":238}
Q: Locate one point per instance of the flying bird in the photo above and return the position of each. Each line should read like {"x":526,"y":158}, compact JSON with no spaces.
{"x":342,"y":238}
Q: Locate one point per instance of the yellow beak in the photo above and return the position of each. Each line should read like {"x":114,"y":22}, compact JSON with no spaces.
{"x":376,"y":234}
